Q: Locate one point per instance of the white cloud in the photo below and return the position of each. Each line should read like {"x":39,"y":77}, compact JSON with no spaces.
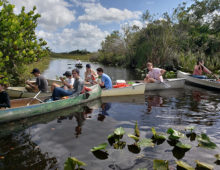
{"x":87,"y":36}
{"x":96,"y":12}
{"x":54,"y":13}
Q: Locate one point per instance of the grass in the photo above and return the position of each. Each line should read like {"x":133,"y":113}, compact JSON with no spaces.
{"x":85,"y":57}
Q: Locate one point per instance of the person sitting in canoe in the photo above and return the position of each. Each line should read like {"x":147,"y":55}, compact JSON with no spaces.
{"x":199,"y":69}
{"x":106,"y":81}
{"x":67,"y":84}
{"x":4,"y":97}
{"x":155,"y":75}
{"x":40,"y":84}
{"x":90,"y":75}
{"x":78,"y":86}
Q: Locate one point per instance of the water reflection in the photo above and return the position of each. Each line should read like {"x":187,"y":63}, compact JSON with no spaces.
{"x":104,"y":108}
{"x":153,"y":101}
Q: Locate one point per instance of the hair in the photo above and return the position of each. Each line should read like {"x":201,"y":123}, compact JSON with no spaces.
{"x":100,"y":69}
{"x":149,"y":64}
{"x":75,"y":70}
{"x":4,"y":85}
{"x":198,"y":61}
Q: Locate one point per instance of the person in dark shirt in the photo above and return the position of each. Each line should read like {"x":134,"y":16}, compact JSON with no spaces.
{"x":4,"y":98}
{"x":40,"y":84}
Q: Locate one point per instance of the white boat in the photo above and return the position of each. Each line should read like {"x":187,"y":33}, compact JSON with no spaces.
{"x":211,"y":84}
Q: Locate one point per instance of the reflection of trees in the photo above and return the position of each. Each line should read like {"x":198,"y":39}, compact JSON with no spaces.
{"x":21,"y":153}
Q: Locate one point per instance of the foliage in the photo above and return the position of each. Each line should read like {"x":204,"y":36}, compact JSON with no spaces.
{"x":203,"y":165}
{"x":160,"y":165}
{"x":184,"y":165}
{"x":99,"y":147}
{"x":205,"y":142}
{"x":19,"y":45}
{"x":174,"y":135}
{"x":71,"y":163}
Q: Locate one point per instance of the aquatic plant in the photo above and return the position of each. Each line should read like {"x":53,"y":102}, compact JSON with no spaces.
{"x":202,"y":165}
{"x":184,"y":165}
{"x":205,"y":142}
{"x":160,"y":164}
{"x":72,"y":162}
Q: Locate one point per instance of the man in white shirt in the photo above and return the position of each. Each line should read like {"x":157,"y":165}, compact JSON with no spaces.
{"x":155,"y":75}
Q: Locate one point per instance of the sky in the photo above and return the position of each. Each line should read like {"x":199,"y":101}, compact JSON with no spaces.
{"x":69,"y":25}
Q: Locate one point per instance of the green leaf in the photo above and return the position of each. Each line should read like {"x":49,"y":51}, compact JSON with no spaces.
{"x":1,"y":54}
{"x":184,"y":165}
{"x":119,"y":145}
{"x":205,"y":142}
{"x":99,"y":147}
{"x":183,"y":146}
{"x":119,"y":131}
{"x":160,"y":165}
{"x":191,"y":128}
{"x":7,"y":58}
{"x":158,"y":136}
{"x":217,"y":157}
{"x":71,"y":163}
{"x":142,"y":169}
{"x":174,"y":135}
{"x":204,"y":165}
{"x":145,"y":143}
{"x":133,"y":137}
{"x":136,"y":130}
{"x":111,"y":135}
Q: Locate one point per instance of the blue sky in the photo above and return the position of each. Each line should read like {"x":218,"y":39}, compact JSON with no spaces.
{"x":83,"y":24}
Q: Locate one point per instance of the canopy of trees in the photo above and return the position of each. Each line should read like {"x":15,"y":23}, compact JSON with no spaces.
{"x":18,"y":42}
{"x":176,"y":40}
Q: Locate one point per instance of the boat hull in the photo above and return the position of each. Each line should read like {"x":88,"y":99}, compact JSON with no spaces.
{"x":37,"y":109}
{"x":204,"y":83}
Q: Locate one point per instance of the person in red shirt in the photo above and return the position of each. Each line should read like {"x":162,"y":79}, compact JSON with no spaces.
{"x":200,"y":69}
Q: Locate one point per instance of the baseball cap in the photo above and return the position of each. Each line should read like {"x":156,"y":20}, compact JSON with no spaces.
{"x":67,"y":73}
{"x":35,"y":70}
{"x":88,"y":65}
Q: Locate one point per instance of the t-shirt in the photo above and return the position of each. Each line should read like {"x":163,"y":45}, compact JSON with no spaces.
{"x":107,"y":81}
{"x":42,"y":83}
{"x":198,"y":70}
{"x":77,"y":87}
{"x":154,"y":73}
{"x":70,"y":81}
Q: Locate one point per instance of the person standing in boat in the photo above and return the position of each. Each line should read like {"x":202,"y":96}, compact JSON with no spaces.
{"x":106,"y":81}
{"x":199,"y":69}
{"x":67,"y":84}
{"x":4,"y":97}
{"x":155,"y":75}
{"x":78,"y":86}
{"x":41,"y":83}
{"x":90,"y":75}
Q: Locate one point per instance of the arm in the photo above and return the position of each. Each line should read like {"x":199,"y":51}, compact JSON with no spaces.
{"x":162,"y":71}
{"x":66,"y":84}
{"x":78,"y":87}
{"x":33,"y":85}
{"x":206,"y":70}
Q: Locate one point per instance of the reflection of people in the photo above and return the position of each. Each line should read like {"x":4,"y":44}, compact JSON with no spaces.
{"x":4,"y":98}
{"x":67,"y":84}
{"x":106,"y":81}
{"x":105,"y":107}
{"x":40,"y":84}
{"x":90,"y":75}
{"x":154,"y":101}
{"x":199,"y":69}
{"x":77,"y":87}
{"x":154,"y":75}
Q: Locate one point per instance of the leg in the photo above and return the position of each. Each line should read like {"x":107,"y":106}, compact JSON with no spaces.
{"x":149,"y":80}
{"x":54,"y":85}
{"x":60,"y":92}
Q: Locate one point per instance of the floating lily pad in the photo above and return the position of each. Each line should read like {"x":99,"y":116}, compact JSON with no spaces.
{"x":174,"y":134}
{"x":217,"y":159}
{"x":183,"y":146}
{"x":119,"y":145}
{"x":119,"y":131}
{"x":136,"y":130}
{"x":205,"y":142}
{"x":160,"y":165}
{"x":158,"y":136}
{"x":191,"y":135}
{"x":184,"y":165}
{"x":111,"y":139}
{"x":178,"y":153}
{"x":202,"y":165}
{"x":145,"y":143}
{"x":99,"y":147}
{"x":133,"y":137}
{"x":134,"y":148}
{"x":191,"y":128}
{"x":102,"y":155}
{"x":71,"y":163}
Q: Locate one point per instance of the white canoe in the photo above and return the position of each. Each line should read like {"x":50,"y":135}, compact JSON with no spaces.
{"x":135,"y":89}
{"x":168,"y":84}
{"x":206,"y":83}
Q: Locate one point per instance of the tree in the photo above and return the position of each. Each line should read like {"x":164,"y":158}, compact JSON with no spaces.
{"x":18,"y":42}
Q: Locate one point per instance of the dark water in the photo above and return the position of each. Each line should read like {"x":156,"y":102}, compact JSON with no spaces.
{"x":45,"y":142}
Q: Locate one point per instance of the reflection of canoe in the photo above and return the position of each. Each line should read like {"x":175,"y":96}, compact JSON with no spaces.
{"x":169,"y":84}
{"x":206,"y":83}
{"x":7,"y":128}
{"x":137,"y":99}
{"x":135,"y":89}
{"x":79,"y":65}
{"x":21,"y":110}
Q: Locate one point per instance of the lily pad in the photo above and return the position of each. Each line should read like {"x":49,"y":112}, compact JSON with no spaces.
{"x":217,"y":156}
{"x":71,"y":163}
{"x":134,"y":148}
{"x":119,"y":145}
{"x":183,"y":146}
{"x":204,"y":165}
{"x":119,"y":131}
{"x":191,"y":128}
{"x":174,"y":134}
{"x":184,"y":165}
{"x":145,"y":143}
{"x":133,"y":137}
{"x":111,"y":139}
{"x":205,"y":142}
{"x":136,"y":130}
{"x":100,"y":155}
{"x":99,"y":147}
{"x":158,"y":136}
{"x":160,"y":165}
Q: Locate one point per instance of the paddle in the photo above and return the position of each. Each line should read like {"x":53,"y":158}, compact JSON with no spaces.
{"x":35,"y":97}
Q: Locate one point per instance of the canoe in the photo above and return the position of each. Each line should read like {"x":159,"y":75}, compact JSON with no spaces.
{"x":21,"y":110}
{"x":79,"y":65}
{"x":204,"y":83}
{"x":134,"y":89}
{"x":168,"y":84}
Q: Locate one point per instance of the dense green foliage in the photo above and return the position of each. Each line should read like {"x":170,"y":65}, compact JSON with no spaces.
{"x":80,"y":52}
{"x":176,"y":40}
{"x":19,"y":45}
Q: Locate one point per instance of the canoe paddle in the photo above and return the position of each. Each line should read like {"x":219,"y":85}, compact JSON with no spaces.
{"x":35,"y":97}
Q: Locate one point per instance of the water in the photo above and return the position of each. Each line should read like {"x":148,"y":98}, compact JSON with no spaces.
{"x":46,"y":141}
